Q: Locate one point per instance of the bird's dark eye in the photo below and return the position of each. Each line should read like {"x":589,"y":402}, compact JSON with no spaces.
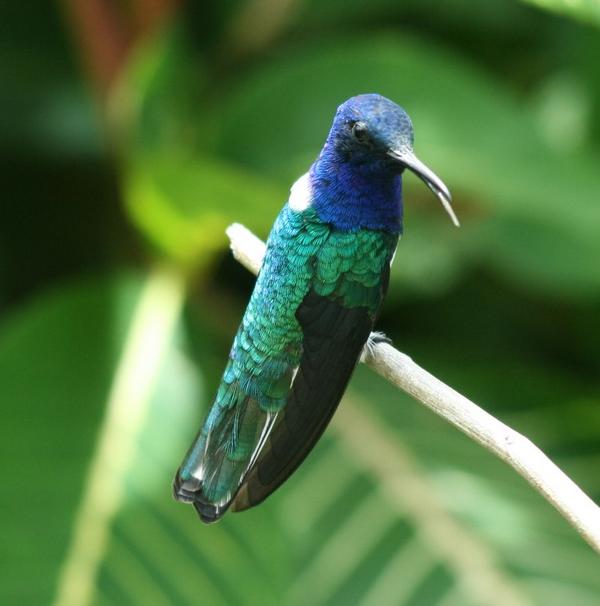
{"x":359,"y":131}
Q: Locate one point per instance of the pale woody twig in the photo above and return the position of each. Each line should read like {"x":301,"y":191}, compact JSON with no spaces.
{"x":519,"y":452}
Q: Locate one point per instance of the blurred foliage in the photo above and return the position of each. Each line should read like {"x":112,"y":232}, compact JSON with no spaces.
{"x":216,"y":111}
{"x":585,"y":10}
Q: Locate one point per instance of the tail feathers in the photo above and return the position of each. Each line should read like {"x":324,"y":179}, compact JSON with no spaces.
{"x":208,"y":512}
{"x":221,"y":455}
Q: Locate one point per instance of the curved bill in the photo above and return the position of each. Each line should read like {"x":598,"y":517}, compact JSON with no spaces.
{"x":435,"y":184}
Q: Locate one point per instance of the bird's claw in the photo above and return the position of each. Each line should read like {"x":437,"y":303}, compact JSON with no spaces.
{"x":375,"y":338}
{"x":379,"y":337}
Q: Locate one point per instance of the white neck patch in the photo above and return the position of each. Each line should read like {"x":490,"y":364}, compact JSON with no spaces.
{"x":301,"y":194}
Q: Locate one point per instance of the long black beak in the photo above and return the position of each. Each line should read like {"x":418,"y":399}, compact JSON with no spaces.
{"x":436,"y":185}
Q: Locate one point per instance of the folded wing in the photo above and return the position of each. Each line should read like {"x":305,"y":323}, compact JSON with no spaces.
{"x":335,"y":326}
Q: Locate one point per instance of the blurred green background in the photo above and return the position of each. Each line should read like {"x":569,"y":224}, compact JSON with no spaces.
{"x":132,"y":133}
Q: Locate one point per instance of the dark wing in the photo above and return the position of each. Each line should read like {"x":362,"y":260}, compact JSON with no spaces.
{"x":333,"y":339}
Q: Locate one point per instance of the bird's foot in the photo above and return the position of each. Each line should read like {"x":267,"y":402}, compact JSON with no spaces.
{"x":375,"y":338}
{"x":379,"y":337}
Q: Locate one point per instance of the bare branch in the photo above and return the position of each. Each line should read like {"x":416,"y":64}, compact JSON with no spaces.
{"x":518,"y":451}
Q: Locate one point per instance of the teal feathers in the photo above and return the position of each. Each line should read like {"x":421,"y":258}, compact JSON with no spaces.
{"x":316,"y":299}
{"x":303,"y":254}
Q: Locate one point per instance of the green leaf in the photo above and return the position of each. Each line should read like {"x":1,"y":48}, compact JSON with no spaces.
{"x":587,"y":11}
{"x":183,"y":204}
{"x":61,"y":358}
{"x":180,"y":198}
{"x":57,"y":356}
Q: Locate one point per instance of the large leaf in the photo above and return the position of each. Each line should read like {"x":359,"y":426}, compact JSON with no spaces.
{"x":361,"y":522}
{"x":61,"y":359}
{"x":523,"y":531}
{"x":57,"y":356}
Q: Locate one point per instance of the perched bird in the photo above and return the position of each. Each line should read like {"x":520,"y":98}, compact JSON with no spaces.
{"x":317,"y":296}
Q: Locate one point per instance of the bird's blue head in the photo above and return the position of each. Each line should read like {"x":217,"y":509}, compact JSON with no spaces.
{"x":356,"y":181}
{"x":366,"y":128}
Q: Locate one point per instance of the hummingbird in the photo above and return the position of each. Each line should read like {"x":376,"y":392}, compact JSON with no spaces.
{"x":315,"y":302}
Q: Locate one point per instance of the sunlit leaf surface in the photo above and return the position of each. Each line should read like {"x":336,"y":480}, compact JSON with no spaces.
{"x":584,"y":10}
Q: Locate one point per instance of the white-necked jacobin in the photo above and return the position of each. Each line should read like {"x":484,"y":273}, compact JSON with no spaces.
{"x":313,"y":307}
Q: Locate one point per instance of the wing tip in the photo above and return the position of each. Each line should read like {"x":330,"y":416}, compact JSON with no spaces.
{"x":241,"y":502}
